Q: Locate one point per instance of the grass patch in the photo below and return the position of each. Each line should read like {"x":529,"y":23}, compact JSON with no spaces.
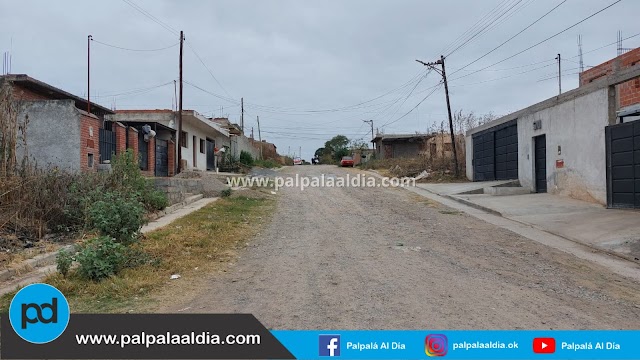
{"x":197,"y":244}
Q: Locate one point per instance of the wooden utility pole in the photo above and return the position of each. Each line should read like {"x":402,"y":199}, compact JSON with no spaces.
{"x":242,"y":114}
{"x":259,"y":136}
{"x":180,"y":144}
{"x":446,"y":91}
{"x":89,"y":73}
{"x":559,"y":76}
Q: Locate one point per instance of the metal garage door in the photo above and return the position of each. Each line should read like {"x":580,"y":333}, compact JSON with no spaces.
{"x":495,"y":153}
{"x":623,"y":165}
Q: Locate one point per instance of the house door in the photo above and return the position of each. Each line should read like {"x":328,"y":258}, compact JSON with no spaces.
{"x":211,"y":157}
{"x":623,"y":165}
{"x":162,"y":158}
{"x":540,"y":161}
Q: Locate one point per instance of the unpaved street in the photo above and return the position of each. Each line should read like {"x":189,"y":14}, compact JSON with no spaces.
{"x":375,"y":258}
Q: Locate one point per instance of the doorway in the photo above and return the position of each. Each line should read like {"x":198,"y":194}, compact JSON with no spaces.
{"x":540,"y":161}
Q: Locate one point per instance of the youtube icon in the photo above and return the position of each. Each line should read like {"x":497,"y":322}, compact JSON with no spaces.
{"x":544,"y":345}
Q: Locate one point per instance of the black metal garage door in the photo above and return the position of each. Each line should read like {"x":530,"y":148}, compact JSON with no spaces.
{"x":623,"y":165}
{"x":484,"y":157}
{"x":495,"y":153}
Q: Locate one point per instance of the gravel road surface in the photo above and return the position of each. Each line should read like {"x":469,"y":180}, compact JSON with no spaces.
{"x":385,"y":258}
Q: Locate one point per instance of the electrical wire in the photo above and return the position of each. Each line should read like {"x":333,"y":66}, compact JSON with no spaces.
{"x":511,"y":38}
{"x":128,"y":49}
{"x":208,"y":69}
{"x":481,"y":30}
{"x":543,"y":41}
{"x":151,"y":17}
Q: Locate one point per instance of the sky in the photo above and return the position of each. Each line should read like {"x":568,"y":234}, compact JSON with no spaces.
{"x":314,"y":69}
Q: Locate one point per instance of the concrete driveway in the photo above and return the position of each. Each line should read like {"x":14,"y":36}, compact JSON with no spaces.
{"x":612,"y":230}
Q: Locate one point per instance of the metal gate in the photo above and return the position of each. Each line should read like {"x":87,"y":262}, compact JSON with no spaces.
{"x":162,"y":158}
{"x":495,"y":153}
{"x":107,"y":145}
{"x":211,"y":156}
{"x":623,"y":165}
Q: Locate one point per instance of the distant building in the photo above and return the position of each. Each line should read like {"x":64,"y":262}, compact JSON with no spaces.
{"x":389,"y":146}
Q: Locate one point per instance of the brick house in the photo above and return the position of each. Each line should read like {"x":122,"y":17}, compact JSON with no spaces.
{"x":59,"y":131}
{"x":200,"y":136}
{"x":628,"y":93}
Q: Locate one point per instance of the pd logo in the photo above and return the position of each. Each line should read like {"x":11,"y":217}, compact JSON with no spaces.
{"x":39,"y":313}
{"x":436,"y":345}
{"x":329,"y":345}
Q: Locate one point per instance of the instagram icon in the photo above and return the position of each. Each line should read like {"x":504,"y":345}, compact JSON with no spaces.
{"x":436,"y":345}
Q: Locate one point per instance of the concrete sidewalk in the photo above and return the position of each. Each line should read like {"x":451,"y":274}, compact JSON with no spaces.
{"x":611,"y":230}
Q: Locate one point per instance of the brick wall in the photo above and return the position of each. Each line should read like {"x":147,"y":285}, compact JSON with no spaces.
{"x":628,"y":92}
{"x":151,"y":171}
{"x":89,"y":142}
{"x":121,"y":138}
{"x":22,"y":93}
{"x":133,"y":141}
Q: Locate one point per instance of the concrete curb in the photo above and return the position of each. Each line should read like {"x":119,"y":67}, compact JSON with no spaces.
{"x":32,"y":264}
{"x":175,"y":207}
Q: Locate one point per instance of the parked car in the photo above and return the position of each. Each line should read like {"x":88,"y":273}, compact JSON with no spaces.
{"x":297,"y":161}
{"x":347,"y":161}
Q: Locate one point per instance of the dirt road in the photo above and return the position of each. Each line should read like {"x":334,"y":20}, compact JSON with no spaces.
{"x":382,"y":258}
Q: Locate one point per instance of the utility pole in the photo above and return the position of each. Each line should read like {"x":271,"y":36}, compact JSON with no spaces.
{"x":242,"y":114}
{"x":89,"y":73}
{"x":446,"y":91}
{"x":259,"y":136}
{"x":300,"y":152}
{"x":371,"y":122}
{"x":180,"y":144}
{"x":559,"y":76}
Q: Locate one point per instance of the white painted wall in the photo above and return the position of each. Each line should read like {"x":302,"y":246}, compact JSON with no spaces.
{"x":577,"y":126}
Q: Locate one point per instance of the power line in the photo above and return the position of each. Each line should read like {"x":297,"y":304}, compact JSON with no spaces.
{"x":478,"y":23}
{"x":511,"y":38}
{"x":209,"y":70}
{"x":128,"y":49}
{"x":151,"y":17}
{"x":134,"y":91}
{"x":435,"y":88}
{"x":545,"y":40}
{"x":481,"y":30}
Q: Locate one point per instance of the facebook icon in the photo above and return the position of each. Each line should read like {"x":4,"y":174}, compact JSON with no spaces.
{"x":329,"y":345}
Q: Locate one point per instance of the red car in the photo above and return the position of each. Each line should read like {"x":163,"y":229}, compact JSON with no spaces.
{"x":347,"y":161}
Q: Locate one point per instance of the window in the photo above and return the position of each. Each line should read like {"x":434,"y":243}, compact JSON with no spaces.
{"x":183,"y":139}
{"x":202,"y":146}
{"x":447,"y":147}
{"x":89,"y":160}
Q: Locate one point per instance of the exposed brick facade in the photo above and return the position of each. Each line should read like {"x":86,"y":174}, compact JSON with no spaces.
{"x":121,"y":138}
{"x":133,"y":141}
{"x":151,"y":158}
{"x":22,"y":93}
{"x":89,"y":142}
{"x":628,"y":92}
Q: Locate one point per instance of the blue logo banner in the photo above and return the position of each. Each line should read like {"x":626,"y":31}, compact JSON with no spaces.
{"x":461,"y":344}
